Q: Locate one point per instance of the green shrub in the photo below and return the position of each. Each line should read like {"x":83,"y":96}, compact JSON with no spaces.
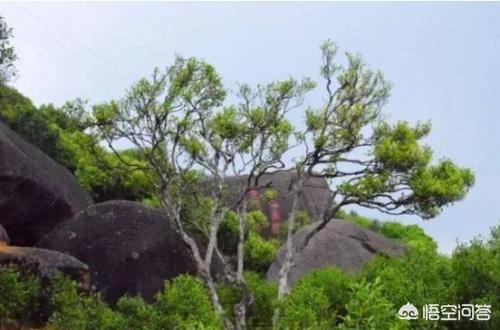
{"x":185,"y":303}
{"x":369,"y":309}
{"x":255,"y":221}
{"x":259,"y":253}
{"x":302,"y":219}
{"x":228,"y":235}
{"x":411,"y":235}
{"x":137,"y":314}
{"x":265,"y":300}
{"x":317,"y":301}
{"x":476,"y":274}
{"x":18,"y":295}
{"x":229,"y":295}
{"x":270,"y":194}
{"x":265,"y":296}
{"x":421,"y":277}
{"x":76,"y":311}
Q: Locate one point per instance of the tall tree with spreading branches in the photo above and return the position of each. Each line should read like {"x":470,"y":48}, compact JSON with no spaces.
{"x":185,"y":143}
{"x":368,"y":161}
{"x":188,"y":138}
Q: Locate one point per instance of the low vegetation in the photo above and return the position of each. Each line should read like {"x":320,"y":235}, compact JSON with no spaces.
{"x":324,"y":299}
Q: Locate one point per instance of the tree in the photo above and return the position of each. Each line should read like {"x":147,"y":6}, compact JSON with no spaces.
{"x":171,"y":120}
{"x":191,"y":143}
{"x":370,"y":162}
{"x":7,"y":53}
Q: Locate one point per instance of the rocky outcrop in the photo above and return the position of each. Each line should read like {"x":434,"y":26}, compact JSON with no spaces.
{"x":314,"y":196}
{"x":129,"y":248}
{"x":44,"y":263}
{"x":340,"y":243}
{"x":36,"y":193}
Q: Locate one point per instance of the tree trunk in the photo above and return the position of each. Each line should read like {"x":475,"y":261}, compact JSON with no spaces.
{"x":240,"y":309}
{"x":203,"y":266}
{"x":289,"y":250}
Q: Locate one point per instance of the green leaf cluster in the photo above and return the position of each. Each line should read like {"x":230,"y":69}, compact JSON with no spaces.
{"x":317,"y":301}
{"x":18,"y":295}
{"x":259,"y":253}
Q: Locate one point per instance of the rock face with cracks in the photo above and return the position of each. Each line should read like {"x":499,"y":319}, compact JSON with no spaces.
{"x":36,"y":193}
{"x":130,"y":248}
{"x":340,"y":244}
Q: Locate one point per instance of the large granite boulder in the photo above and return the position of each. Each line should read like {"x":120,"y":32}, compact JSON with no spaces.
{"x":340,"y":244}
{"x":36,"y":193}
{"x":129,"y":248}
{"x":314,"y":196}
{"x":4,"y":237}
{"x":44,"y":263}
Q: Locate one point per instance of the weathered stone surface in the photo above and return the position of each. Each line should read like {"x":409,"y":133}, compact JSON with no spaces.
{"x":4,"y":238}
{"x":36,"y":193}
{"x":341,"y":244}
{"x":129,"y":248}
{"x":313,"y":198}
{"x":44,"y":263}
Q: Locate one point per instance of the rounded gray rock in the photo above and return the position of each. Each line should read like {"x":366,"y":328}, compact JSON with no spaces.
{"x":36,"y":193}
{"x":130,"y":248}
{"x":340,"y":244}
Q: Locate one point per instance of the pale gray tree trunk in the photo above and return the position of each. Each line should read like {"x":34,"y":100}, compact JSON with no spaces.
{"x":203,"y":265}
{"x":286,"y":264}
{"x":240,"y":309}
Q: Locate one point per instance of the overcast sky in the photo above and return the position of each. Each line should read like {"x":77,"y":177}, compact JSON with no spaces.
{"x":441,"y":58}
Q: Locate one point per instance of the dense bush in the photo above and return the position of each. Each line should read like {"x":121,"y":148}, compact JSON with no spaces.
{"x":265,"y":300}
{"x":368,"y":308}
{"x":137,"y":314}
{"x":476,"y":276}
{"x":318,"y":300}
{"x":259,"y":253}
{"x":228,"y":234}
{"x":184,"y":303}
{"x":75,"y":310}
{"x":323,"y":299}
{"x":422,"y":277}
{"x":18,"y":295}
{"x":411,"y":235}
{"x":264,"y":293}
